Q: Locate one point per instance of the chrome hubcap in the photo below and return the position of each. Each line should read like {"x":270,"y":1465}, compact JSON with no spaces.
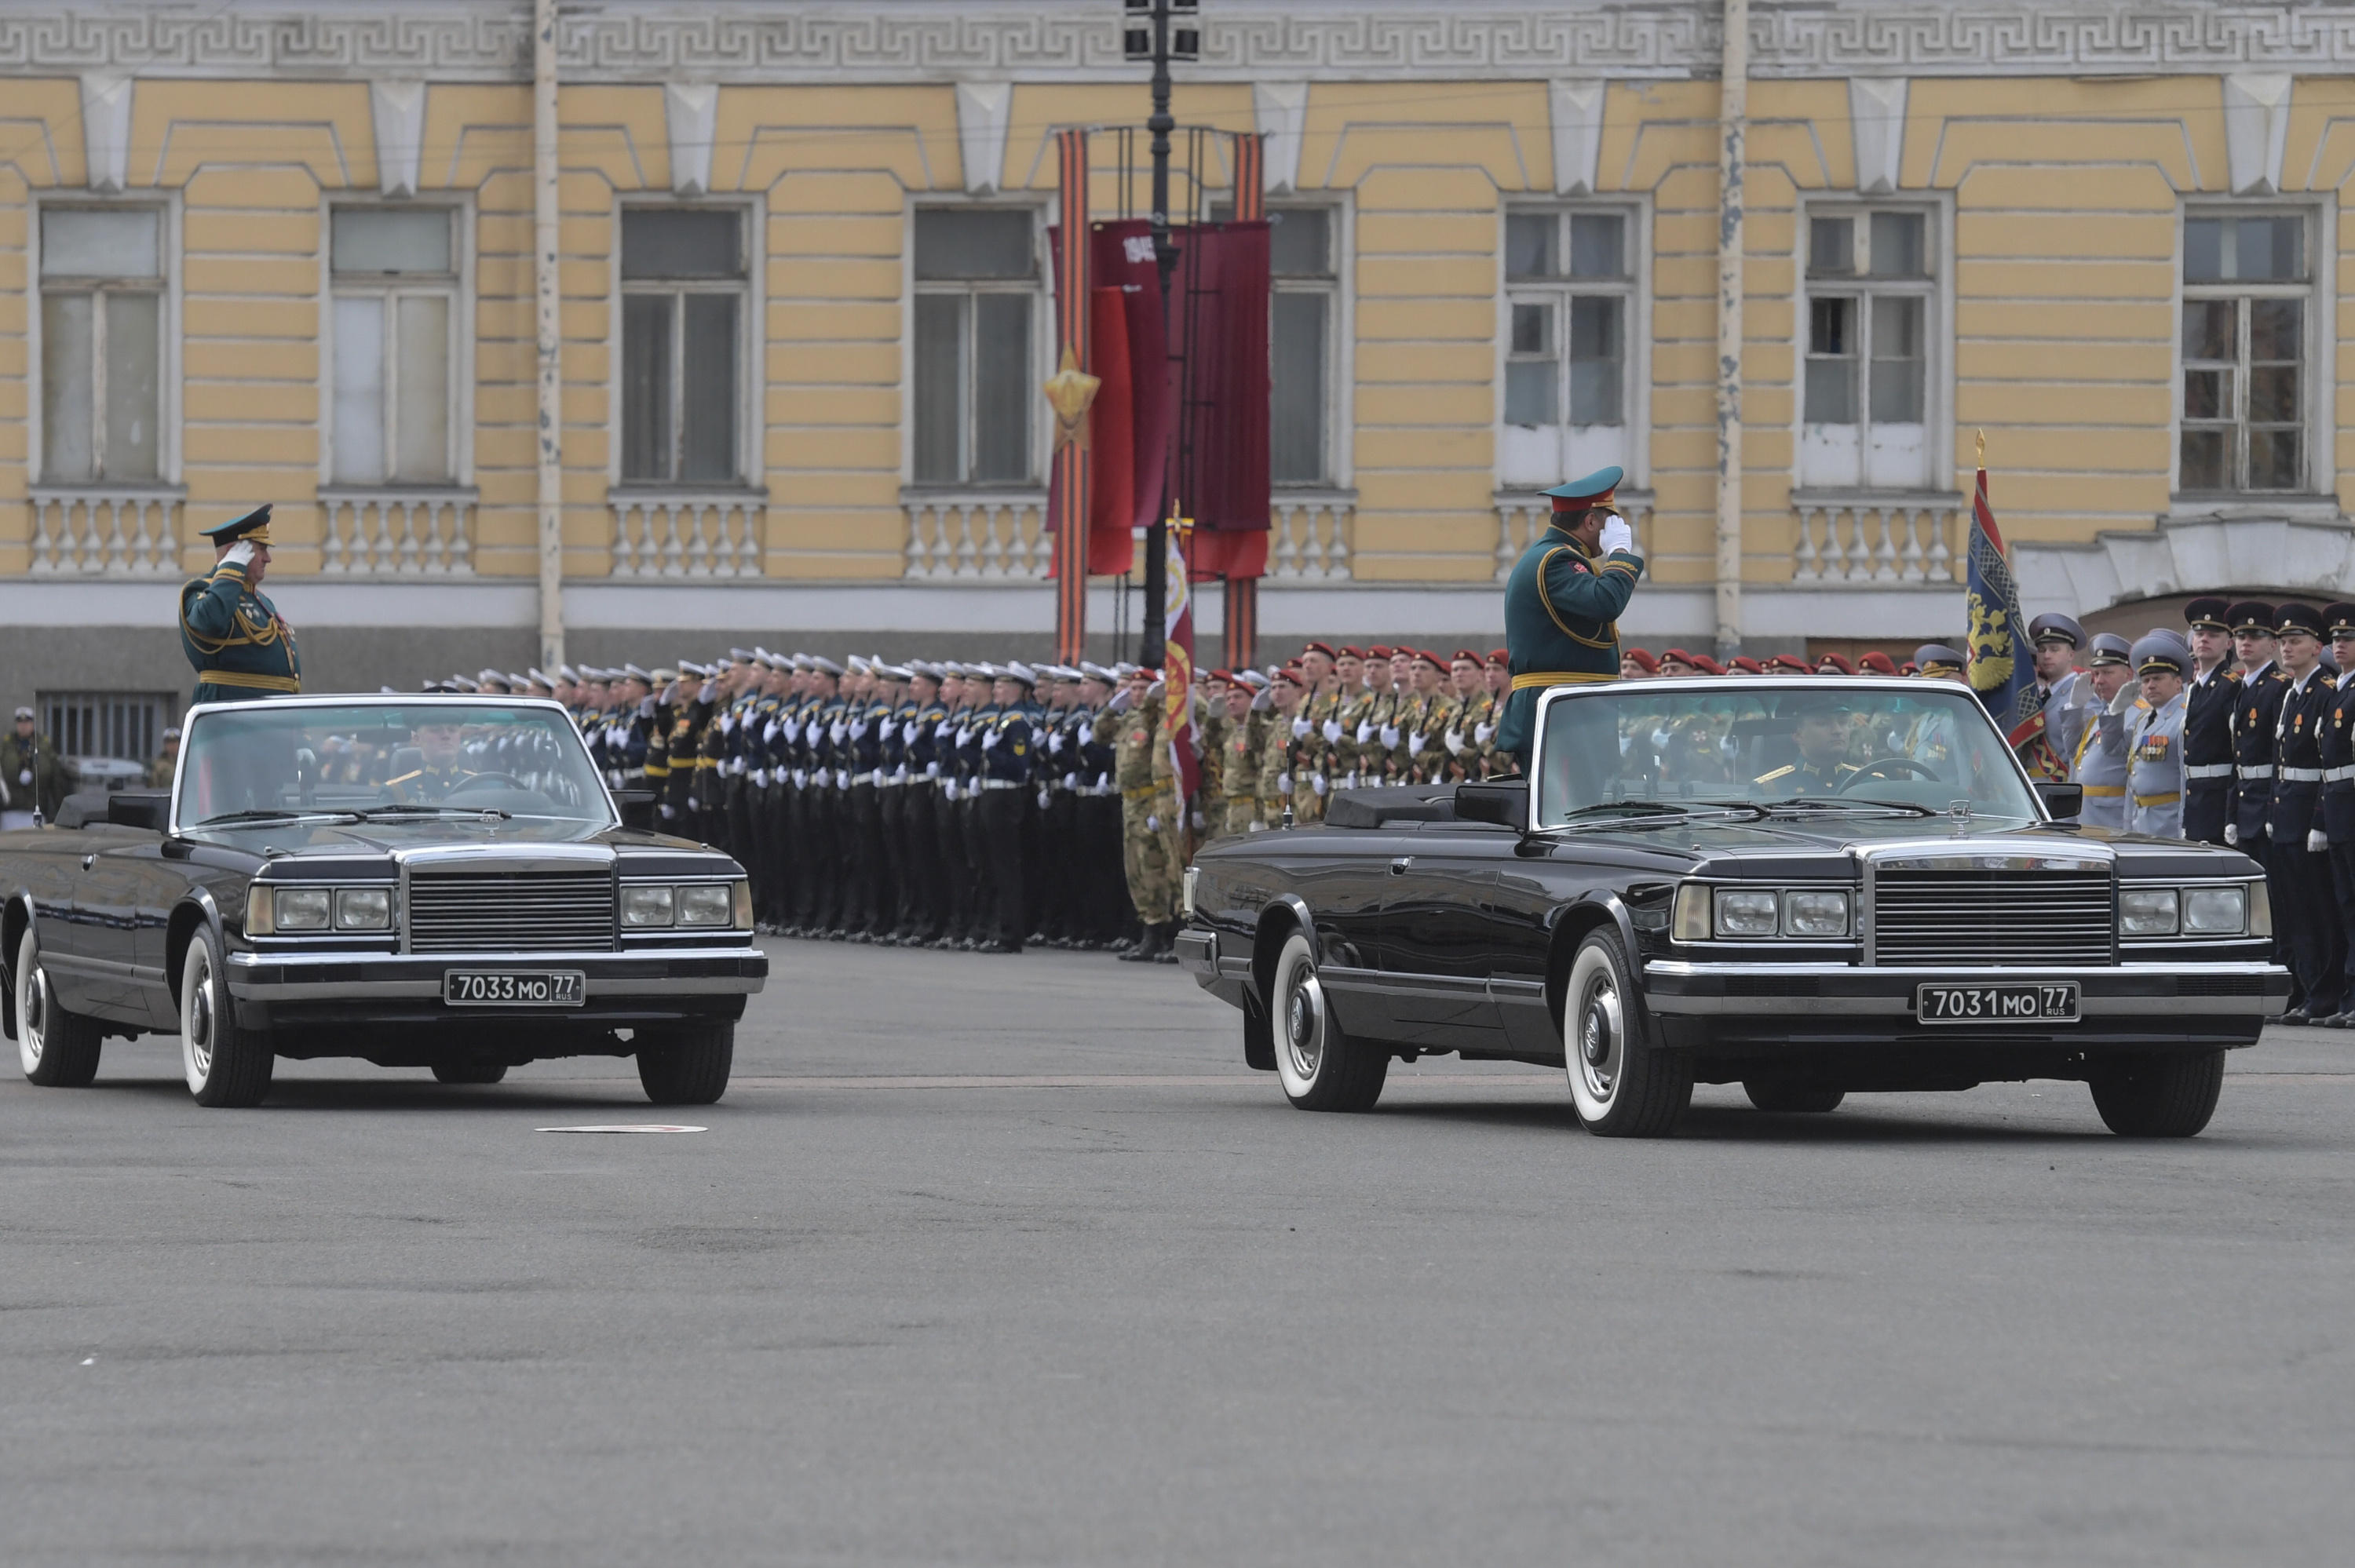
{"x":1303,"y":1026}
{"x":36,"y":1009}
{"x":1599,"y":1039}
{"x":198,"y":1024}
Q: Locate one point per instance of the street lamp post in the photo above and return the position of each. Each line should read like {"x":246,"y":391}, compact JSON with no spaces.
{"x":1148,"y":33}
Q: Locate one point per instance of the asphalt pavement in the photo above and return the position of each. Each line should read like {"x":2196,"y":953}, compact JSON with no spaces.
{"x":1012,"y":1261}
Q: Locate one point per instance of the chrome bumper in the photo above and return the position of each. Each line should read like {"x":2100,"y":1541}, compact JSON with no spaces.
{"x":1679,"y":989}
{"x":417,"y":977}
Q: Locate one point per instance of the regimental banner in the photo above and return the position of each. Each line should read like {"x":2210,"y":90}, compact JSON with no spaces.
{"x":2002,"y":661}
{"x":1178,"y":662}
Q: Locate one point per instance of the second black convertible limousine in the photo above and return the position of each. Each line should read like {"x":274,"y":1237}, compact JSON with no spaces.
{"x":1809,"y":886}
{"x":483,"y":907}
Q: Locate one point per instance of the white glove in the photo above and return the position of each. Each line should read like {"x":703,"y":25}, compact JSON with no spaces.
{"x":1042,"y":798}
{"x":1152,"y":824}
{"x":1283,"y":783}
{"x":933,"y":770}
{"x":2232,"y":833}
{"x":1365,"y":732}
{"x":950,"y":789}
{"x":1317,"y":782}
{"x":1481,"y":732}
{"x":1123,"y":700}
{"x":801,"y":779}
{"x":1455,"y":739}
{"x":1055,"y":742}
{"x":2126,"y":699}
{"x":1415,"y":745}
{"x":792,"y":731}
{"x":2317,"y":840}
{"x":1333,"y":732}
{"x":1390,"y":735}
{"x":1300,"y":729}
{"x":1263,"y":702}
{"x":989,"y":740}
{"x":836,"y":731}
{"x":1618,"y":535}
{"x":858,"y":730}
{"x":769,"y":732}
{"x":1071,"y":780}
{"x":240,"y":555}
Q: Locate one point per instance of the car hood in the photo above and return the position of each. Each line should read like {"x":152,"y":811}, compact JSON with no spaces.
{"x":346,"y":838}
{"x":1826,"y":845}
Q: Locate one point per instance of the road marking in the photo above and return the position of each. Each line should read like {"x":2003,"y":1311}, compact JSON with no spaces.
{"x":625,"y":1126}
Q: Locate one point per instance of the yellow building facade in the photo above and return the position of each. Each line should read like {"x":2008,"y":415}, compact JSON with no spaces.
{"x":284,"y":252}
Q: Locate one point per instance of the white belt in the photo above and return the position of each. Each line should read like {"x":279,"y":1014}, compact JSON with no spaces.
{"x":2302,"y":775}
{"x":2209,"y":770}
{"x":2337,"y":775}
{"x":1001,"y":784}
{"x":1094,"y":791}
{"x":2256,"y":771}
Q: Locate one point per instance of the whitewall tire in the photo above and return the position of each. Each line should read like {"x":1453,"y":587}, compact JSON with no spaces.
{"x":1320,"y":1066}
{"x":1623,"y":1086}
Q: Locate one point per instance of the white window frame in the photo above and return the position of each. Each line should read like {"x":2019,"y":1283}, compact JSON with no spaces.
{"x":1635,"y":384}
{"x":1938,"y":207}
{"x":751,"y":340}
{"x":1042,"y":332}
{"x":167,"y":207}
{"x":2319,"y":383}
{"x":461,"y":293}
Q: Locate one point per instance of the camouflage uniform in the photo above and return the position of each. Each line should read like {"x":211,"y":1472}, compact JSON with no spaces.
{"x":1239,"y":747}
{"x":1135,"y":737}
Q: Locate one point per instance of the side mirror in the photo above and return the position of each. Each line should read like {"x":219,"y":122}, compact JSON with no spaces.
{"x":2062,"y":801}
{"x":1504,"y":803}
{"x":138,"y":809}
{"x":637,"y":808}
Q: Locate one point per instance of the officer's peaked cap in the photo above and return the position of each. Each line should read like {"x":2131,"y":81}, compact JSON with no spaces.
{"x":1019,"y":671}
{"x":2159,"y":653}
{"x":2250,"y":615}
{"x":2341,"y":617}
{"x":253,"y":525}
{"x":2298,"y":617}
{"x":2056,"y":628}
{"x":631,"y":672}
{"x":1595,"y":490}
{"x":2209,"y":610}
{"x":2109,"y":648}
{"x":1932,"y":655}
{"x":1091,"y":671}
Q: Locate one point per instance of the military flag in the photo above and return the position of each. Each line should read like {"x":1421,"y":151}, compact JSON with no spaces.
{"x":1178,"y":661}
{"x":2002,"y":661}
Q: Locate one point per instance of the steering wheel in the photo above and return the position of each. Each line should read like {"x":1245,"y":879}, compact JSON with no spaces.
{"x":1874,"y":769}
{"x":509,"y":780}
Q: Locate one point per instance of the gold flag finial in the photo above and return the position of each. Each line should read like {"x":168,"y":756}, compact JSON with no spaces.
{"x":1070,"y":392}
{"x":1983,"y":448}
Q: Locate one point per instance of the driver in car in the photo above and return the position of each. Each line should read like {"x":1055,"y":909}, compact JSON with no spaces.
{"x":1822,"y":736}
{"x":427,"y":786}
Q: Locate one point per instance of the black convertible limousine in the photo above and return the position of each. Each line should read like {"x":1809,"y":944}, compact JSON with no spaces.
{"x":468,"y":901}
{"x":1809,"y":886}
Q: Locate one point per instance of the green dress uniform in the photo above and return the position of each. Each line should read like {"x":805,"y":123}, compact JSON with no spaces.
{"x":1562,"y":608}
{"x":241,"y":648}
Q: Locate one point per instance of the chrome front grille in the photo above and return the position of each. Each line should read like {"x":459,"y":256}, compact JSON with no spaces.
{"x":1988,"y":916}
{"x":515,"y":912}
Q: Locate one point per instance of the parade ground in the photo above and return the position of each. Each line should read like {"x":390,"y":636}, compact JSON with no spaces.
{"x":1014,"y":1261}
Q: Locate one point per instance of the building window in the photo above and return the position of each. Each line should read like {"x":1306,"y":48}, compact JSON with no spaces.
{"x":1306,"y":290}
{"x":977,"y":276}
{"x":1570,"y":289}
{"x":2248,"y":288}
{"x":1872,"y":286}
{"x":128,"y":726}
{"x":394,"y":275}
{"x":101,"y":344}
{"x":684,"y":272}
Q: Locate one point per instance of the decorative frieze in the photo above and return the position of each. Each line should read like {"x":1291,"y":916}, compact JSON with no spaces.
{"x":838,"y":41}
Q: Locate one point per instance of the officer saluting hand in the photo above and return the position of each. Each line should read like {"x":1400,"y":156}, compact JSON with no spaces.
{"x":242,"y":647}
{"x":1563,"y":600}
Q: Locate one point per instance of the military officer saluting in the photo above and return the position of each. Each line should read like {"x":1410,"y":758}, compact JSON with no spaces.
{"x":242,"y":647}
{"x":1563,"y":601}
{"x":2208,"y":722}
{"x":2154,"y":758}
{"x":2101,"y":764}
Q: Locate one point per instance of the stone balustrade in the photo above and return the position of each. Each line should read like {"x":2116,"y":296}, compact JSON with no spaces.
{"x":105,"y":531}
{"x":397,"y":533}
{"x":978,"y":535}
{"x":1865,"y":539}
{"x":1310,"y":536}
{"x":687,"y":534}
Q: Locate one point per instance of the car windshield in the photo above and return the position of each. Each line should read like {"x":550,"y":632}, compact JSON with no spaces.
{"x":436,"y":755}
{"x":1888,"y":746}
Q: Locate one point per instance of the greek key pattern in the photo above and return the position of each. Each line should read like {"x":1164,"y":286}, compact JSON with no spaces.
{"x":932,"y":40}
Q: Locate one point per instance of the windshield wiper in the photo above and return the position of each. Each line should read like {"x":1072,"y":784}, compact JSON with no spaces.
{"x":1841,"y":803}
{"x":378,"y":813}
{"x":274,"y":814}
{"x":1654,"y":814}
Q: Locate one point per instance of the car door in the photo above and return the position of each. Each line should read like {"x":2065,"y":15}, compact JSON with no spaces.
{"x":1339,"y":875}
{"x":121,"y":901}
{"x":1437,"y":949}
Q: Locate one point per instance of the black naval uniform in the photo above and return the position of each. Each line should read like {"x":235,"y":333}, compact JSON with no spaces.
{"x":2208,"y":753}
{"x":2305,"y":911}
{"x":2336,"y":817}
